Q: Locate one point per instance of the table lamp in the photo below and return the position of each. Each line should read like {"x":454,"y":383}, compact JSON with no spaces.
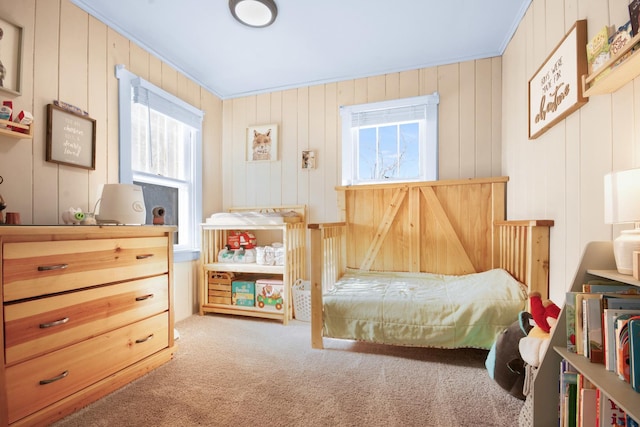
{"x":622,"y":205}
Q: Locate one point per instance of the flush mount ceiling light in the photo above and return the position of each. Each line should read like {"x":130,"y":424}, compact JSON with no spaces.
{"x":254,"y":13}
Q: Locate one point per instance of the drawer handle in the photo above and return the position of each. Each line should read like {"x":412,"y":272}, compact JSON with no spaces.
{"x":145,"y":256}
{"x":54,"y":379}
{"x":52,"y":267}
{"x":141,"y":340}
{"x":55,"y":323}
{"x":144,"y":297}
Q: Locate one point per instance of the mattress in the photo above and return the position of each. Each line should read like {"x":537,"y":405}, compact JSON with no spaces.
{"x":240,"y":219}
{"x":423,"y":309}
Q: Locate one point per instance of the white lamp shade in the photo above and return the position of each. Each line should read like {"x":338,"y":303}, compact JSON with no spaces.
{"x":622,"y":205}
{"x":622,"y":197}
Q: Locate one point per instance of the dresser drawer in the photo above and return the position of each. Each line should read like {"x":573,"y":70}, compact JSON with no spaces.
{"x":32,"y":269}
{"x":39,"y":326}
{"x":42,"y":381}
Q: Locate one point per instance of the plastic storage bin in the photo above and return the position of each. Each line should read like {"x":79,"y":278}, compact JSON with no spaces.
{"x":302,"y":300}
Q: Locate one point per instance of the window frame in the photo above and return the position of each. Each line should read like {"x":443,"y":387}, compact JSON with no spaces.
{"x":126,"y":81}
{"x":428,"y":161}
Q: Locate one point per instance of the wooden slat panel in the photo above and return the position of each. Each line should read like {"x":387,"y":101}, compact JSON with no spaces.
{"x":433,"y":232}
{"x":383,"y":227}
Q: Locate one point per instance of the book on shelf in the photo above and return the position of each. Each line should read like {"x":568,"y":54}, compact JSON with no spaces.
{"x":570,"y":320}
{"x":585,"y":401}
{"x":634,"y":353}
{"x":623,"y":363}
{"x":587,"y":415}
{"x":608,"y":412}
{"x":598,"y":50}
{"x":592,"y":309}
{"x":568,"y":389}
{"x":618,"y":40}
{"x":609,"y":317}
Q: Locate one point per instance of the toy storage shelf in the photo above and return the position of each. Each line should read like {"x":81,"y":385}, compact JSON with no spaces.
{"x":292,"y":235}
{"x":597,"y":262}
{"x":610,"y":80}
{"x":25,"y":133}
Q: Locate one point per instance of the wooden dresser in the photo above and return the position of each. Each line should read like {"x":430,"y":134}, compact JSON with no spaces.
{"x":86,"y":310}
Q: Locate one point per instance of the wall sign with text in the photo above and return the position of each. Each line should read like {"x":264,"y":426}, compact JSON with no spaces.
{"x":71,"y":138}
{"x":555,"y":90}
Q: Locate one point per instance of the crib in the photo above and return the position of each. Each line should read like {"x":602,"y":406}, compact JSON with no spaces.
{"x":448,"y":227}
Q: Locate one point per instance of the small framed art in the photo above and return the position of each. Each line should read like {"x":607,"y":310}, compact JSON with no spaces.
{"x":262,"y":143}
{"x":308,"y":159}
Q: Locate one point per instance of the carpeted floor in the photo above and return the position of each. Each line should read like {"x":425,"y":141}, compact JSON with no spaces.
{"x":235,"y":371}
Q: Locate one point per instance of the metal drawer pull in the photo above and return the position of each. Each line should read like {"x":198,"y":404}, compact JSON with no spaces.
{"x":144,"y":297}
{"x":52,"y":267}
{"x":141,"y":340}
{"x":54,"y":379}
{"x":145,"y":256}
{"x":54,"y":323}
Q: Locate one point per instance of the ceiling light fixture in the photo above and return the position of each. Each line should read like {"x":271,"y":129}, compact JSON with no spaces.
{"x":254,"y":13}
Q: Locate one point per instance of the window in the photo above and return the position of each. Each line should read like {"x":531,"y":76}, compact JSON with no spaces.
{"x":390,"y":141}
{"x":160,"y":150}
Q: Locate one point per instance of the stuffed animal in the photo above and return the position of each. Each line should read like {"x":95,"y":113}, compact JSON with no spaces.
{"x":504,"y":363}
{"x":72,"y":216}
{"x":535,"y":344}
{"x":542,"y":311}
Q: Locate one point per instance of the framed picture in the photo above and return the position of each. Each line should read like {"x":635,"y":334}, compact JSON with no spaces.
{"x":308,"y":160}
{"x":10,"y":57}
{"x":262,"y":143}
{"x":71,"y":138}
{"x":555,"y":90}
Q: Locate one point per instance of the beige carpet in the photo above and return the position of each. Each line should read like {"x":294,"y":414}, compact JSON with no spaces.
{"x":234,"y":371}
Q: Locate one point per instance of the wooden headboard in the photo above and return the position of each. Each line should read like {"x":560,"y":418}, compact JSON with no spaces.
{"x":441,"y":226}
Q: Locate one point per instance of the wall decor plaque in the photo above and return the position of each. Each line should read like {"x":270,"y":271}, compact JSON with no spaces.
{"x":555,"y":90}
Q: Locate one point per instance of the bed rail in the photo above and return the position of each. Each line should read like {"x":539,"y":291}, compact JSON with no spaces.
{"x":328,"y":246}
{"x":522,"y":248}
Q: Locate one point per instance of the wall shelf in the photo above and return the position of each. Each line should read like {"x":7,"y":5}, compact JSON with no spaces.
{"x":610,"y":78}
{"x":7,"y":128}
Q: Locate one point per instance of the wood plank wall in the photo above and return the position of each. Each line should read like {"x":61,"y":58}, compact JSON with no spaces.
{"x":308,"y":119}
{"x":71,"y":56}
{"x":560,"y":175}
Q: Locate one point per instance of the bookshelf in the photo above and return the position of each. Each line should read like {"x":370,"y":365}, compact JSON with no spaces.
{"x":609,"y":81}
{"x":597,"y":262}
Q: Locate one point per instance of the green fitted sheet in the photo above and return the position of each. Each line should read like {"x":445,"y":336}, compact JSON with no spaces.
{"x":423,"y":309}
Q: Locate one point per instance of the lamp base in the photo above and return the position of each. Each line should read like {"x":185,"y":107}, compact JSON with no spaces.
{"x":623,"y":247}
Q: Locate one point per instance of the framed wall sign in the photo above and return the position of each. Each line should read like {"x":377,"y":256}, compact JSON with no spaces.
{"x":71,"y":138}
{"x":555,"y":90}
{"x":10,"y":57}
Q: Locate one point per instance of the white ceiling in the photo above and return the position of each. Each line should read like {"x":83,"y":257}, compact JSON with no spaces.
{"x":311,"y":41}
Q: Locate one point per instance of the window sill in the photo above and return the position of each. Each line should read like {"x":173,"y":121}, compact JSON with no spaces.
{"x":184,"y":255}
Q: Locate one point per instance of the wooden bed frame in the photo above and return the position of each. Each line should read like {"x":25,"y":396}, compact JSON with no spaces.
{"x":448,"y":227}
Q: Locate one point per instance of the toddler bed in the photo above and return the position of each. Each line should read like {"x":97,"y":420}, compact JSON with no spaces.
{"x":431,"y":264}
